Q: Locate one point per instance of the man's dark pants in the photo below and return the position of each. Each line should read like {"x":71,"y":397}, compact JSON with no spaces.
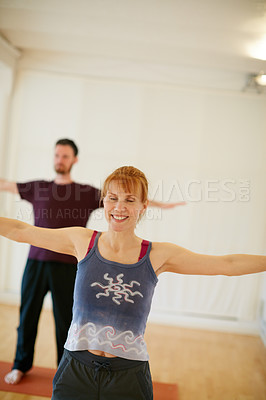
{"x":40,"y":277}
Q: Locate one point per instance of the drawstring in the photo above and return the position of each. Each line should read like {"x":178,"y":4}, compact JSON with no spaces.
{"x":98,"y":366}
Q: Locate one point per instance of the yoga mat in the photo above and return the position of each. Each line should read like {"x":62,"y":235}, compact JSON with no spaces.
{"x":38,"y":382}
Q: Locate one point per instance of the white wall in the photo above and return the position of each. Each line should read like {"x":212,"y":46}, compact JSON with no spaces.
{"x":204,"y":146}
{"x":8,"y":64}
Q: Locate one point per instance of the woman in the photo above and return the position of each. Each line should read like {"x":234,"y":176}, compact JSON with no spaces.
{"x":105,"y":353}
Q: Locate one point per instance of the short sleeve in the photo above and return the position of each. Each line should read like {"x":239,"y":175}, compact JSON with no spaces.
{"x":27,"y":190}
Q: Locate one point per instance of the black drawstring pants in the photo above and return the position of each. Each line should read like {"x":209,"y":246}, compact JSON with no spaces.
{"x":83,"y":376}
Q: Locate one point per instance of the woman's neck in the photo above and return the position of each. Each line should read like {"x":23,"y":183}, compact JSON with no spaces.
{"x":119,"y":240}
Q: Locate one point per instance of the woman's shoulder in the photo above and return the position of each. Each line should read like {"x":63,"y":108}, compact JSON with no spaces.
{"x":82,"y":236}
{"x":82,"y":231}
{"x":158,"y":255}
{"x":161,"y":246}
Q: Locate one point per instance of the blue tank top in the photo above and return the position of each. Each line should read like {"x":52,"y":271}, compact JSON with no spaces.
{"x":112,"y":302}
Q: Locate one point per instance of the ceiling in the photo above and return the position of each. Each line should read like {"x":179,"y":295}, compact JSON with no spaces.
{"x":165,"y":39}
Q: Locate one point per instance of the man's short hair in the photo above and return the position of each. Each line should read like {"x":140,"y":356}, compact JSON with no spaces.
{"x":68,"y":142}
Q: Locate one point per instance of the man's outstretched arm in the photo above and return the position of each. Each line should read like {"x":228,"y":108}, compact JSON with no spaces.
{"x":161,"y":204}
{"x":7,"y":186}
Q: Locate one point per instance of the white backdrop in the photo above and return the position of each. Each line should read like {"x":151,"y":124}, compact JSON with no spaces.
{"x":203,"y":146}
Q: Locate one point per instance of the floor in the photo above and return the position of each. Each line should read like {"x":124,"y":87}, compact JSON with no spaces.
{"x":204,"y":364}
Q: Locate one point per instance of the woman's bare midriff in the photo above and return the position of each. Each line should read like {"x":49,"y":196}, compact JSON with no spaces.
{"x":101,"y":353}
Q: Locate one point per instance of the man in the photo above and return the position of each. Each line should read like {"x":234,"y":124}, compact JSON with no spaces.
{"x":56,"y":204}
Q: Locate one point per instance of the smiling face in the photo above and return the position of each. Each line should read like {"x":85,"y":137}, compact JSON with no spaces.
{"x":123,"y":208}
{"x":64,"y":158}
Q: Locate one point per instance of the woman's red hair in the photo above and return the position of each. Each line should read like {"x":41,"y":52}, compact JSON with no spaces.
{"x":131,"y":179}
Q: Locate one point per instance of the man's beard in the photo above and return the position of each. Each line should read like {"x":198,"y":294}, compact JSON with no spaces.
{"x":62,"y":170}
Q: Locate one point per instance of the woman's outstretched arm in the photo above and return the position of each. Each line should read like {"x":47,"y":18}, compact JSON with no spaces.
{"x":64,"y":240}
{"x":174,"y":258}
